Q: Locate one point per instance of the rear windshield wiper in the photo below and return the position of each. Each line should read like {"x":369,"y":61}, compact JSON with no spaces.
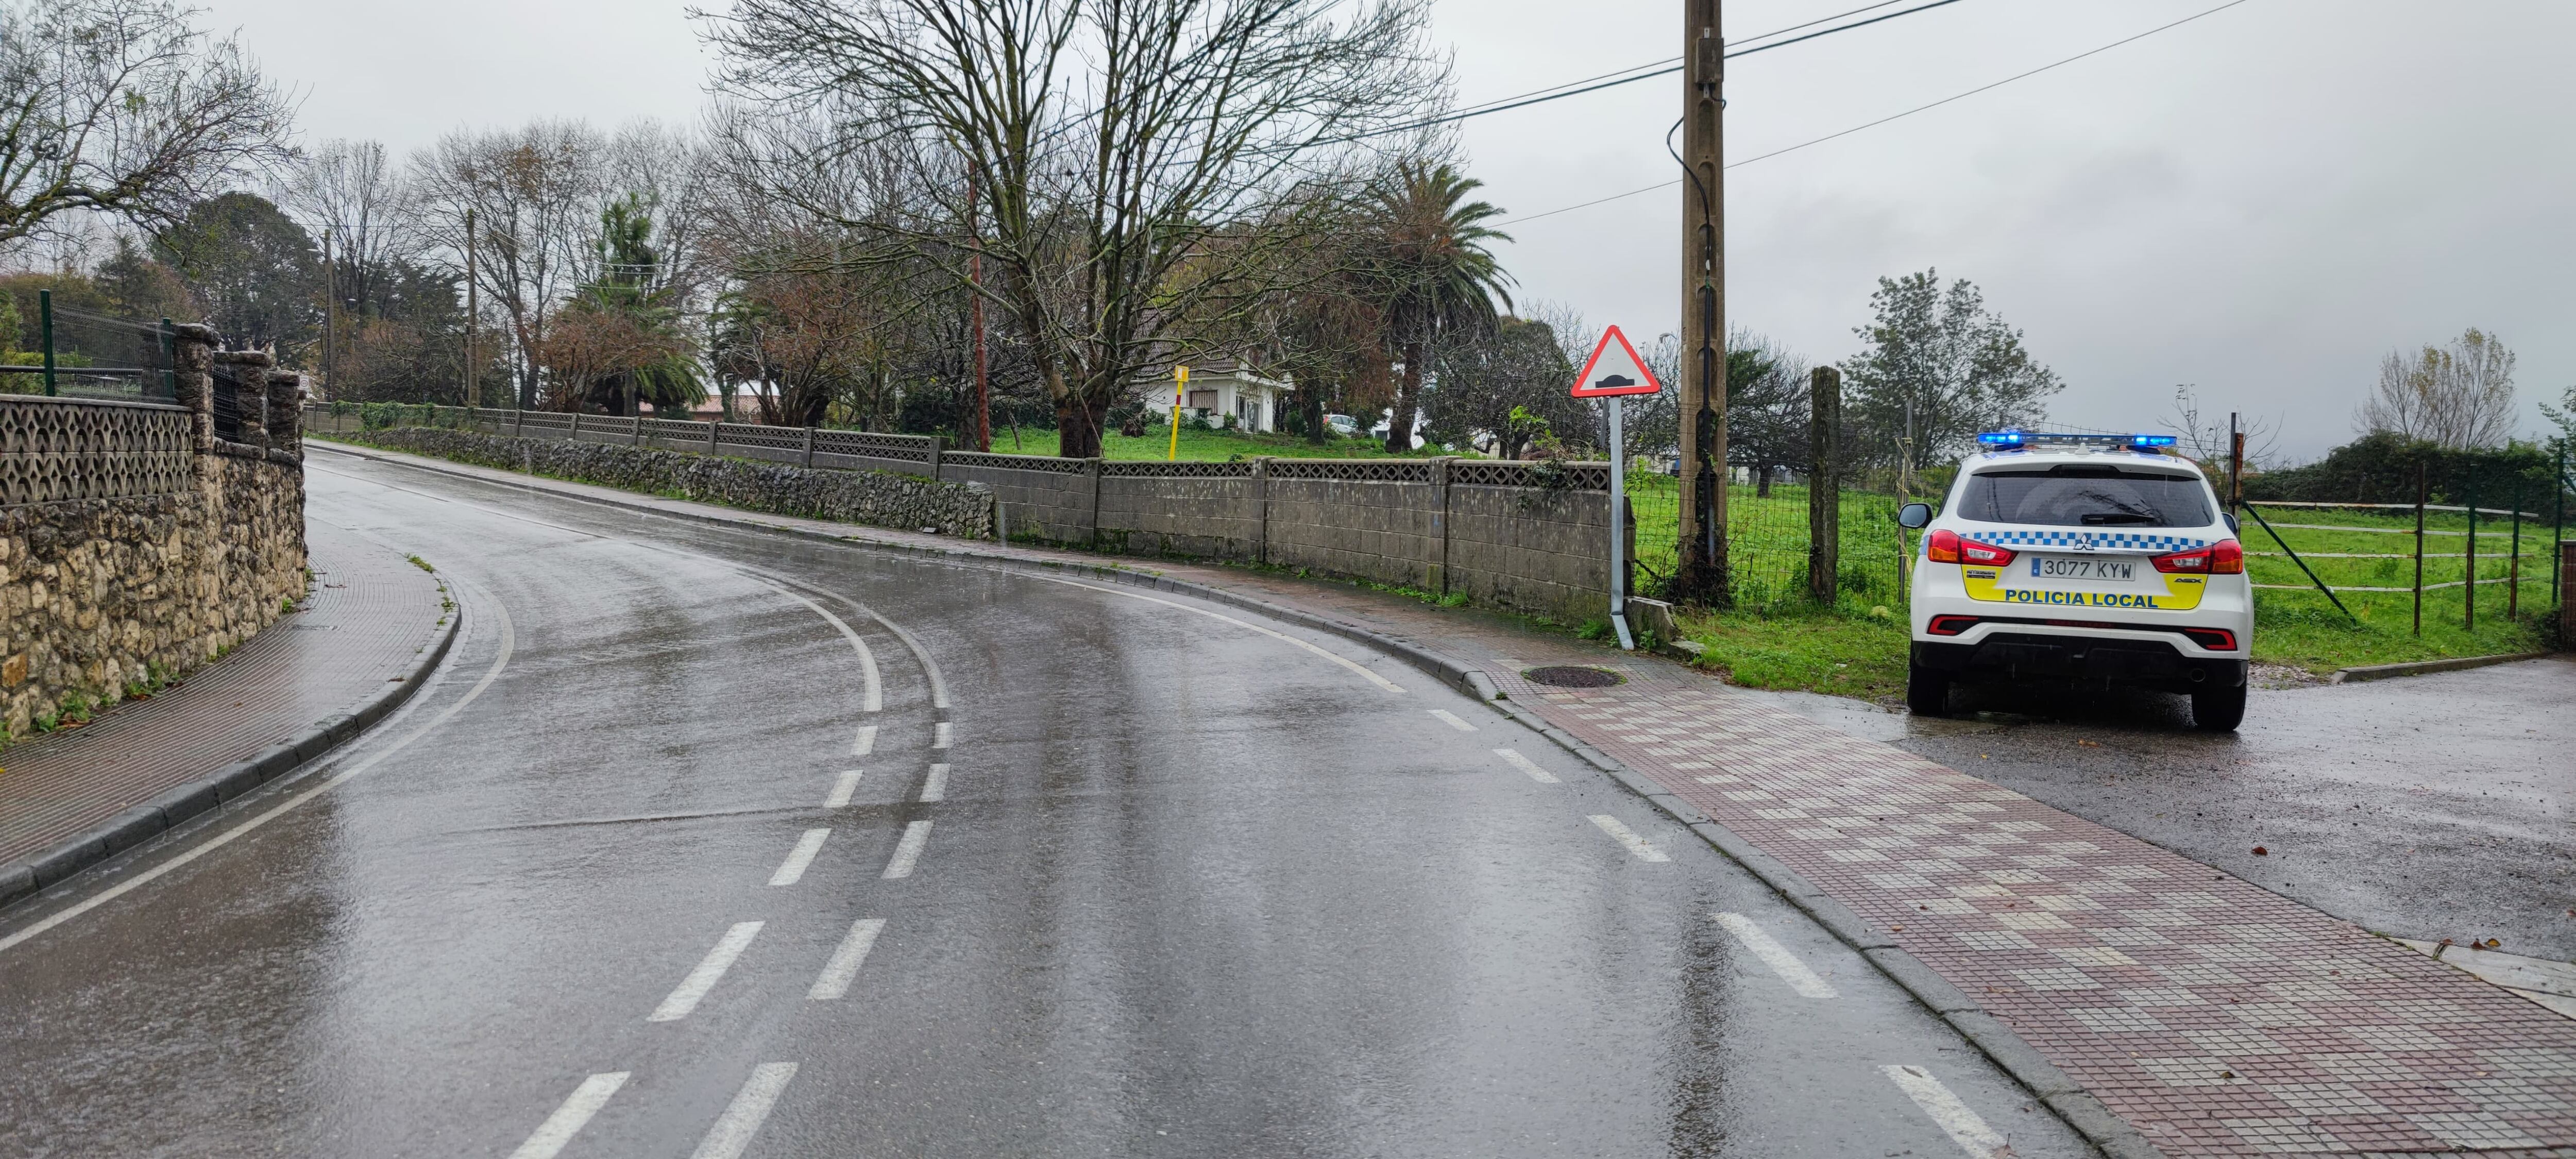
{"x":2118,"y":517}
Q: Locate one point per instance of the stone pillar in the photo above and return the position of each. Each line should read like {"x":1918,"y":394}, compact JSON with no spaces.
{"x":286,"y":412}
{"x":193,"y":377}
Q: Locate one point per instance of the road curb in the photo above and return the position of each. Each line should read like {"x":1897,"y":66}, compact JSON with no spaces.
{"x":2082,"y":1112}
{"x":24,"y":879}
{"x":2424,"y":667}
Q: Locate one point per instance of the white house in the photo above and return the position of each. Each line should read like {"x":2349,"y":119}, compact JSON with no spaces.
{"x":1228,"y":388}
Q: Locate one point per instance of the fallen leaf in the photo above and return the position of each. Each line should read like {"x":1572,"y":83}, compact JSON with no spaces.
{"x":2259,"y":851}
{"x":2090,"y":744}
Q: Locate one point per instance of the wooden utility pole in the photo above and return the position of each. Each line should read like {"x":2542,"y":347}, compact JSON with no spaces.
{"x":330,"y":312}
{"x":1702,"y":577}
{"x":473,"y":381}
{"x":975,"y":291}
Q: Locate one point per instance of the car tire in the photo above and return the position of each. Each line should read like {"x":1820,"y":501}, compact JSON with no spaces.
{"x":2218,"y":709}
{"x":1927,"y":691}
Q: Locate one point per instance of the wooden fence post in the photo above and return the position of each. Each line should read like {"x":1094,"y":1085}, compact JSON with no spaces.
{"x":1824,"y":483}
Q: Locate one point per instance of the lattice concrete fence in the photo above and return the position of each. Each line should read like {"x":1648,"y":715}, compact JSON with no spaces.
{"x":1511,"y":535}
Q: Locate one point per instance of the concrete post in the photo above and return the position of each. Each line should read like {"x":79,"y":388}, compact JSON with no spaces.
{"x":2567,"y":584}
{"x":1436,"y":577}
{"x":938,"y":448}
{"x":713,"y":429}
{"x":1261,"y":509}
{"x":1824,"y":483}
{"x":575,"y":436}
{"x":808,"y":460}
{"x":1091,"y":470}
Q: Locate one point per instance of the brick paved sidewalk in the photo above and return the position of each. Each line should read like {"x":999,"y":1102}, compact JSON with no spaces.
{"x":2214,"y":1016}
{"x":370,"y":615}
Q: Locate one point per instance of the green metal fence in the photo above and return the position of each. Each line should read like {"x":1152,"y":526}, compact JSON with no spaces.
{"x":1767,"y":540}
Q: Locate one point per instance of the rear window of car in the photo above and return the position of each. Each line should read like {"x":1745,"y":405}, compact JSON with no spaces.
{"x":2076,"y":495}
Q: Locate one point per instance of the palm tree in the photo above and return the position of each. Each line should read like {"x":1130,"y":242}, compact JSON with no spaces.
{"x":1434,"y":273}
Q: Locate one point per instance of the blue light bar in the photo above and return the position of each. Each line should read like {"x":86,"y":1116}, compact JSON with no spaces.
{"x":2001,"y":438}
{"x":2151,"y":440}
{"x":2018,"y":440}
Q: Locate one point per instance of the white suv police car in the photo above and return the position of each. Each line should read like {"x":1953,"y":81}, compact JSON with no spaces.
{"x":2081,"y":561}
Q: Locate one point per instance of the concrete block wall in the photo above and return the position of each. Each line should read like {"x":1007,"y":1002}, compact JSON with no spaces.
{"x":1532,"y":548}
{"x":1385,"y":531}
{"x":1213,"y":512}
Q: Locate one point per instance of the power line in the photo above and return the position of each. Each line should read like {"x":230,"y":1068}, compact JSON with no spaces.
{"x":1665,"y":64}
{"x":1883,"y":120}
{"x":1661,"y":68}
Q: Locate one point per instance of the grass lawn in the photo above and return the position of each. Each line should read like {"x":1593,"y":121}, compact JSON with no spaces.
{"x":1842,"y":651}
{"x":1217,"y":446}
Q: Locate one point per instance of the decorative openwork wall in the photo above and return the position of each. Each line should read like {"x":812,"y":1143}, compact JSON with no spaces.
{"x":55,"y":450}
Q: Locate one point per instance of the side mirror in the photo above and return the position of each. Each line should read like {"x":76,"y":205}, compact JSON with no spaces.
{"x":2234,"y":526}
{"x":1914,"y":515}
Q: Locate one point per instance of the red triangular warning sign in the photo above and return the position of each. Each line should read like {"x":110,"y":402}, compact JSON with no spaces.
{"x":1614,"y":370}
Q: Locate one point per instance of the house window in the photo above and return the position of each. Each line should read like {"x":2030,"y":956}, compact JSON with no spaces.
{"x":1202,"y":400}
{"x":1247,"y":413}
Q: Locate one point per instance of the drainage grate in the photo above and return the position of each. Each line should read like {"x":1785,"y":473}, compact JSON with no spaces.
{"x":1567,"y":676}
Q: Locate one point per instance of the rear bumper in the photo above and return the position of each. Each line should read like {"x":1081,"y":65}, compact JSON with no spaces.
{"x":2089,"y":661}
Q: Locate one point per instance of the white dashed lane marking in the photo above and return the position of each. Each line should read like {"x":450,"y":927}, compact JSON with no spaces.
{"x":1514,"y":758}
{"x":790,"y":870}
{"x":939,"y":739}
{"x":1947,"y":1112}
{"x":733,"y":1131}
{"x":1452,"y":720}
{"x":915,"y":836}
{"x":1775,"y":955}
{"x":935,"y":787}
{"x":710,"y":969}
{"x":837,"y":974}
{"x":568,"y":1119}
{"x":1620,"y":832}
{"x":842,"y":789}
{"x":866,"y":741}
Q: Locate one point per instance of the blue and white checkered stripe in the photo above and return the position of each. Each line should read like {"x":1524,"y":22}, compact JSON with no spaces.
{"x":2097,"y":540}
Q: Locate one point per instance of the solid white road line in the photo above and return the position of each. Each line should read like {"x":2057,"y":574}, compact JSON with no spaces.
{"x":940,"y":736}
{"x":865,"y":742}
{"x":1451,"y":719}
{"x":1628,"y":837}
{"x":733,"y":1130}
{"x":703,"y":979}
{"x":1371,"y":677}
{"x":843,"y":788}
{"x":501,"y":660}
{"x":1775,"y":955}
{"x":872,"y":697}
{"x":908,"y":850}
{"x":1952,"y":1116}
{"x":798,"y":858}
{"x":936,"y":787}
{"x":568,"y":1119}
{"x":837,"y":974}
{"x":1514,"y":758}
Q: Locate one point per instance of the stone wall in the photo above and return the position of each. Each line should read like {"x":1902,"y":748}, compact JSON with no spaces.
{"x":879,"y":498}
{"x":100,"y":596}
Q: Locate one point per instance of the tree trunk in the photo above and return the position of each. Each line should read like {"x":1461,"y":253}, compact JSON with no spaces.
{"x":1313,"y":398}
{"x":1762,"y":483}
{"x":1078,"y":421}
{"x":1408,"y":398}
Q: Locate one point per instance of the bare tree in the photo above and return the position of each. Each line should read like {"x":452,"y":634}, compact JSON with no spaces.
{"x":123,"y":107}
{"x":2204,"y":438}
{"x":2458,"y":396}
{"x":351,"y":189}
{"x":1137,"y":166}
{"x":536,"y":196}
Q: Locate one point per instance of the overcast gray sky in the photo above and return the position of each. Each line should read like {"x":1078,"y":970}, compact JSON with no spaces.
{"x":2261,"y":203}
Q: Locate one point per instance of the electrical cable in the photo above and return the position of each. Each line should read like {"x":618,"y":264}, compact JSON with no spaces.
{"x":1882,"y":120}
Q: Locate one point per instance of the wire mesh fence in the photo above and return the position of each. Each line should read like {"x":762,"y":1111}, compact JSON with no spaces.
{"x":97,"y":356}
{"x":1767,"y":540}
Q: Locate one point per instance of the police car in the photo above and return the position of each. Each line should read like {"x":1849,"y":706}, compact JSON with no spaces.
{"x":2081,"y":562}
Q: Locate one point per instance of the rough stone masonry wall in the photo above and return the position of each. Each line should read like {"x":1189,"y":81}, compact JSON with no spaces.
{"x":879,"y":498}
{"x":101,"y":595}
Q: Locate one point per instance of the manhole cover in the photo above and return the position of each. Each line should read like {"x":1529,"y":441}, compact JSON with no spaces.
{"x":1567,"y":676}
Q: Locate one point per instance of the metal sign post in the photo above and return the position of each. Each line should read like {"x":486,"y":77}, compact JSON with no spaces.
{"x":1613,"y":372}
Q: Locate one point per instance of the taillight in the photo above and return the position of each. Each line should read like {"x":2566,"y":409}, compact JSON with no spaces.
{"x":1949,"y":547}
{"x":2214,"y":639}
{"x":2225,"y":557}
{"x":1950,"y":625}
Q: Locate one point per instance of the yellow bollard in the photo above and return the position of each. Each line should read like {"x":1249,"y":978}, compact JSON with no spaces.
{"x":1180,"y":382}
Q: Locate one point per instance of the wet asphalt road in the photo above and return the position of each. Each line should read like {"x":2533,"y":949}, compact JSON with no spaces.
{"x":1156,"y":879}
{"x":2428,"y":807}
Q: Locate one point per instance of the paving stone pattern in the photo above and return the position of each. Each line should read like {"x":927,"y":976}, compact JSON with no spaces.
{"x":2217,"y":1017}
{"x":370,"y":614}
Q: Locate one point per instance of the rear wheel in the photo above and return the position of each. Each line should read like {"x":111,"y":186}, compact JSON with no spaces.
{"x":1927,"y":691}
{"x":2218,"y":709}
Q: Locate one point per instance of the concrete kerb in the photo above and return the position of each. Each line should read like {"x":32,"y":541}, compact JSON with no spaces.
{"x":2427,"y":667}
{"x":2087,"y":1115}
{"x":230,"y":783}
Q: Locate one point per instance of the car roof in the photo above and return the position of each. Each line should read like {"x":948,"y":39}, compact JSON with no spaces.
{"x":2091,"y":456}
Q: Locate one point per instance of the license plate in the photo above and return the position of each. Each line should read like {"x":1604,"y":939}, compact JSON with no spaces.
{"x":2059,"y":567}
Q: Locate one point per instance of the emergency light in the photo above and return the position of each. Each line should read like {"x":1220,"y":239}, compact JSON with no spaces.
{"x":2018,"y":440}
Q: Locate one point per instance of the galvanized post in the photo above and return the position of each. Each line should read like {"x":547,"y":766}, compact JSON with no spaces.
{"x":170,"y":362}
{"x":2469,"y":606}
{"x":2419,"y":548}
{"x":2513,"y":573}
{"x":45,"y":326}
